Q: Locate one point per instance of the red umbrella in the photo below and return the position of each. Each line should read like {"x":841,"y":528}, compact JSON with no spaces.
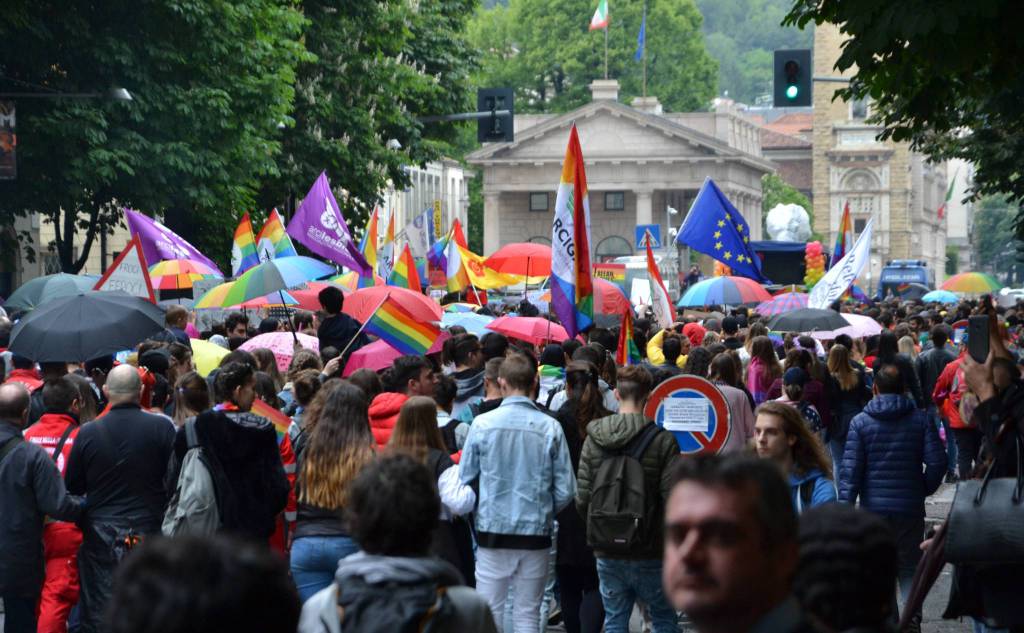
{"x":530,"y":329}
{"x":608,"y":298}
{"x":522,"y":258}
{"x":308,"y":298}
{"x":361,"y":303}
{"x":379,"y":355}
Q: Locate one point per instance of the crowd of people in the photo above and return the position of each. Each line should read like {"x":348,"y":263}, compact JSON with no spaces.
{"x":495,"y":485}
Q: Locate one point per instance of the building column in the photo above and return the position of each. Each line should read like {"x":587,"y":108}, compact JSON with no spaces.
{"x":644,"y":214}
{"x":492,"y":230}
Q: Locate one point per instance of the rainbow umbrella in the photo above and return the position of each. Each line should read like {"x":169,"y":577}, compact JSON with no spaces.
{"x":276,"y":275}
{"x":782,"y":303}
{"x":724,"y":291}
{"x":350,"y":280}
{"x":180,"y":274}
{"x":217,"y":297}
{"x":972,"y":283}
{"x":461,"y":307}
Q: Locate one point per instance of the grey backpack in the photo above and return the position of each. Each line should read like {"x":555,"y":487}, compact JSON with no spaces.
{"x":193,"y":507}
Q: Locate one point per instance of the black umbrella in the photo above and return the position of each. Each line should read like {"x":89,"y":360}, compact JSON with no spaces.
{"x":85,"y":326}
{"x":807,"y":320}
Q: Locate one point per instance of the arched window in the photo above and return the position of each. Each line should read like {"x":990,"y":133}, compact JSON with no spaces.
{"x":611,"y":247}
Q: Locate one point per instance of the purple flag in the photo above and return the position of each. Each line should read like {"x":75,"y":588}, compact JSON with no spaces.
{"x":160,"y":243}
{"x":320,"y":227}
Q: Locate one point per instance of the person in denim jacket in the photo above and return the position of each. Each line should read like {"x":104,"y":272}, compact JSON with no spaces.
{"x":520,"y":459}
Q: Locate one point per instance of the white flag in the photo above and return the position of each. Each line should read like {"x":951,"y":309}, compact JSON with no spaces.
{"x":843,"y":274}
{"x":420,"y":233}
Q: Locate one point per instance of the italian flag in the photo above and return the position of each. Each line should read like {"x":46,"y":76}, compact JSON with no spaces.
{"x":600,"y":19}
{"x":949,"y":195}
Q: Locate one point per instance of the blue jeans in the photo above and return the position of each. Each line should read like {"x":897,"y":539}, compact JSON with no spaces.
{"x":19,"y":613}
{"x":623,"y":582}
{"x":314,"y":560}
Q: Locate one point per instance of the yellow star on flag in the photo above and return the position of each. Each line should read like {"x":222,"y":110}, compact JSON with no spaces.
{"x":718,"y":246}
{"x":728,"y":217}
{"x":728,"y":255}
{"x":721,"y":223}
{"x":739,"y":227}
{"x":746,"y":239}
{"x":718,"y":234}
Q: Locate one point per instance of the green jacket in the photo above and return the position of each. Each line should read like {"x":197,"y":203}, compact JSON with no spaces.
{"x":614,"y":432}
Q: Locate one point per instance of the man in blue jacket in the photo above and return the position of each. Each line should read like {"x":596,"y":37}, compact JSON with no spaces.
{"x":886,"y":446}
{"x":520,"y":457}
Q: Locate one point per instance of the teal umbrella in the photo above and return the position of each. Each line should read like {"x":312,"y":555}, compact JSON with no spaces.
{"x":40,"y":290}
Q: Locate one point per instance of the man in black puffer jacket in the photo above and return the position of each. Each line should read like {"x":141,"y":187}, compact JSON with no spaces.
{"x":241,"y":449}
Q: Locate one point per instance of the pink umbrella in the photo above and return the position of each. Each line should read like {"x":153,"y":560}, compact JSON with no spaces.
{"x":379,"y":355}
{"x":282,"y":345}
{"x":860,"y":326}
{"x":361,"y":303}
{"x":530,"y":329}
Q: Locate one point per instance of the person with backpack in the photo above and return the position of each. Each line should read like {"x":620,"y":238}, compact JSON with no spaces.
{"x":782,"y":435}
{"x":953,"y":398}
{"x":393,"y":584}
{"x":338,"y":446}
{"x":118,"y":461}
{"x":55,"y":432}
{"x":520,"y":457}
{"x":453,"y":431}
{"x":623,"y":488}
{"x":31,"y":488}
{"x":416,"y":433}
{"x":551,"y":370}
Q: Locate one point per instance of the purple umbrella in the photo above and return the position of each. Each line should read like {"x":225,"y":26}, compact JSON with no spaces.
{"x":786,"y":302}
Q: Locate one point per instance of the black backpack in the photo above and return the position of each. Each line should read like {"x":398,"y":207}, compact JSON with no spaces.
{"x":620,"y":516}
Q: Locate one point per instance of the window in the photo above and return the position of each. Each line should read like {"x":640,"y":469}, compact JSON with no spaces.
{"x":611,"y":247}
{"x":51,"y":264}
{"x":539,"y":201}
{"x":614,"y":201}
{"x":858,"y":226}
{"x":859,"y":109}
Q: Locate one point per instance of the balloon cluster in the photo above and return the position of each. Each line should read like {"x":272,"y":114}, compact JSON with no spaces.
{"x":721,"y":270}
{"x":814,"y":259}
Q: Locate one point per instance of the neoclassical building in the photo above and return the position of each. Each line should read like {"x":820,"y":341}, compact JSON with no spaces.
{"x":898,"y":187}
{"x":640,"y":161}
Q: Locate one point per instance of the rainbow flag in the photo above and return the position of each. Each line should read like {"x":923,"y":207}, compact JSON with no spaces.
{"x":404,"y":274}
{"x":273,"y":241}
{"x":243,"y":250}
{"x":844,"y":239}
{"x":280,"y":421}
{"x":455,"y":271}
{"x":572,"y":286}
{"x":627,"y":352}
{"x":368,"y":247}
{"x":386,"y":261}
{"x":399,"y":329}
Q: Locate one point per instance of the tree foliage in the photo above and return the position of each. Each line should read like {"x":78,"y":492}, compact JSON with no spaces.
{"x":741,"y":35}
{"x":210,"y":82}
{"x":947,"y":100}
{"x":994,"y":218}
{"x":544,"y":49}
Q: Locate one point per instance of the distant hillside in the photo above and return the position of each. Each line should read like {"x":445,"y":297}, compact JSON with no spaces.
{"x":741,"y":35}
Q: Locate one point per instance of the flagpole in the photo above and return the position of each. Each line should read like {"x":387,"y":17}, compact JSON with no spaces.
{"x":606,"y":51}
{"x":644,"y":53}
{"x":361,"y":327}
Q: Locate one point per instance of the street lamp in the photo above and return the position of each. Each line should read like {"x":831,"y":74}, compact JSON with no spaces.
{"x":114,"y":94}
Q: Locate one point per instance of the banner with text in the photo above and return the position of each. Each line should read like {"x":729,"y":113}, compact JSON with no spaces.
{"x":129,"y":273}
{"x":844,"y":273}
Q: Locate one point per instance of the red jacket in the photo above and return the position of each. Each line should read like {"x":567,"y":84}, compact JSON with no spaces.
{"x":47,"y":431}
{"x":946,"y":401}
{"x":28,"y":377}
{"x":384,"y":414}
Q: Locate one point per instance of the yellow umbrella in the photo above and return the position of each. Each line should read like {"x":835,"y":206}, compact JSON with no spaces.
{"x":207,"y":356}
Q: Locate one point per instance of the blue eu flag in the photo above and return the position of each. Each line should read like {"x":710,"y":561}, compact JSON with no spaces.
{"x":716,"y":228}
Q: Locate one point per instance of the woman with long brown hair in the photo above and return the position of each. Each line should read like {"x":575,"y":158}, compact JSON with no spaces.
{"x":340,"y":444}
{"x":575,"y":566}
{"x":763,"y":369}
{"x":267,"y":363}
{"x":848,"y":393}
{"x":417,"y":434}
{"x":191,"y":397}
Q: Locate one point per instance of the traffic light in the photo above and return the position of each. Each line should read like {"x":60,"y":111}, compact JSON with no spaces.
{"x":793,"y":78}
{"x":495,"y":128}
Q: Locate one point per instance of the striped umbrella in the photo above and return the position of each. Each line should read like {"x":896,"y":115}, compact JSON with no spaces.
{"x":275,"y":275}
{"x":783,"y":303}
{"x":726,"y":290}
{"x":217,"y":297}
{"x":975,"y":283}
{"x":180,"y":274}
{"x":350,"y":280}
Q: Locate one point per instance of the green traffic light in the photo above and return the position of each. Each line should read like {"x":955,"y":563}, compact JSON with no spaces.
{"x":792,"y":91}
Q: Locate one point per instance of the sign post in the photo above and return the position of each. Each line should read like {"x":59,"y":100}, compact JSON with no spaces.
{"x":694,"y":410}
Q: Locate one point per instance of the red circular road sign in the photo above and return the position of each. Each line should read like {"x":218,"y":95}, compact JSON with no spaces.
{"x":694,"y":410}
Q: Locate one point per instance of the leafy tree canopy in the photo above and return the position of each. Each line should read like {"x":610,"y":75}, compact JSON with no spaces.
{"x":994,"y":218}
{"x":947,"y":100}
{"x":543,"y":48}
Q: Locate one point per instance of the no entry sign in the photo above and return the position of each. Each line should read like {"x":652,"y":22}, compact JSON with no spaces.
{"x":694,"y":410}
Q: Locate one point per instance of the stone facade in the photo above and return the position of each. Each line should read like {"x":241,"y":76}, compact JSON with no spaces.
{"x":886,"y":181}
{"x":444,"y":181}
{"x":640,"y":162}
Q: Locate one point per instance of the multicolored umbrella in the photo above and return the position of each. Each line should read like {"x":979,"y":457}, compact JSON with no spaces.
{"x":180,"y":274}
{"x":522,"y":258}
{"x":972,"y":283}
{"x":350,"y":280}
{"x":724,"y":291}
{"x":940,"y":296}
{"x":379,"y":355}
{"x":40,"y":290}
{"x":784,"y":302}
{"x":274,"y":275}
{"x":361,"y":303}
{"x":217,"y":297}
{"x":530,"y":329}
{"x":461,"y":307}
{"x":282,"y":344}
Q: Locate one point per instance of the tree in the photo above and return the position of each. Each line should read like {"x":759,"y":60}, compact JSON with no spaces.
{"x":952,"y":259}
{"x":948,"y":101}
{"x":210,"y":83}
{"x":378,"y":66}
{"x":544,"y":50}
{"x":994,"y":218}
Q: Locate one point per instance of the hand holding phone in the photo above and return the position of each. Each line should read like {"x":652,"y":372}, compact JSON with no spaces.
{"x":978,"y":337}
